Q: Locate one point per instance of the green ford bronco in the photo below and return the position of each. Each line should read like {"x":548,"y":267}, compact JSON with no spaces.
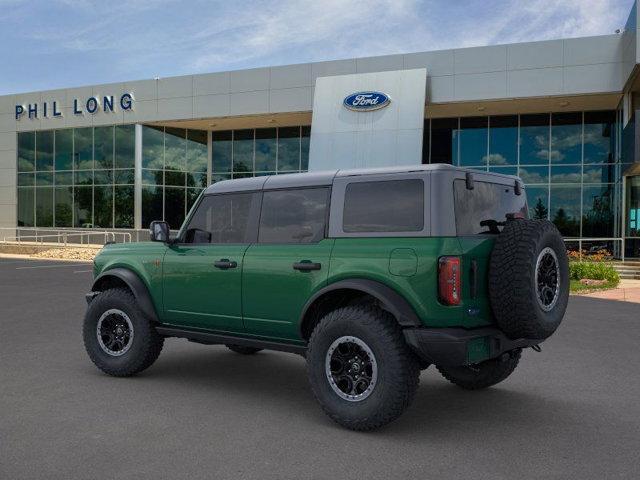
{"x":371,"y":275}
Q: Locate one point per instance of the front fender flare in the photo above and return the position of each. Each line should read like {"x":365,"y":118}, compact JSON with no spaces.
{"x":389,"y":299}
{"x":135,"y":284}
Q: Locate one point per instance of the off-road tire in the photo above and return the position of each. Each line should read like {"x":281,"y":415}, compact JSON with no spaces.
{"x":398,"y":368}
{"x":513,"y":291}
{"x":146,"y":344}
{"x":241,"y":349}
{"x":482,"y":375}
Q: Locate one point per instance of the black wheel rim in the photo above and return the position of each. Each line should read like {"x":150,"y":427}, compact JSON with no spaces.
{"x":115,"y":332}
{"x":351,"y":368}
{"x":547,"y":279}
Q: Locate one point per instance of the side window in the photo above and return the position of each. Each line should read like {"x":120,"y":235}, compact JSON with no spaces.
{"x":294,"y":216}
{"x":225,"y":218}
{"x":384,"y":206}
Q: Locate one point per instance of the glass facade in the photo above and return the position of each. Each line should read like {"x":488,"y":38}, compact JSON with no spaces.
{"x":568,"y":161}
{"x":262,"y":151}
{"x":80,"y":177}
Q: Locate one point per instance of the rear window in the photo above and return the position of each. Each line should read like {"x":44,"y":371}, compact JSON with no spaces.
{"x":482,"y":209}
{"x":384,"y":206}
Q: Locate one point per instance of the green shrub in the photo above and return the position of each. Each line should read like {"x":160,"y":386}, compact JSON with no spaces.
{"x":593,"y":271}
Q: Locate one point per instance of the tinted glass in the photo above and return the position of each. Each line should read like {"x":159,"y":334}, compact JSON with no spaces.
{"x":44,"y":150}
{"x":125,"y":146}
{"x":388,"y":206}
{"x":243,"y":151}
{"x":175,"y":149}
{"x":566,"y":138}
{"x":174,"y":206}
{"x":534,"y":139}
{"x":565,"y":209}
{"x":597,"y":211}
{"x":599,"y":138}
{"x":538,"y":200}
{"x":44,"y":207}
{"x":123,"y":203}
{"x":266,"y":149}
{"x":152,"y":147}
{"x":83,"y":148}
{"x":64,"y":150}
{"x":151,"y":204}
{"x":221,"y":146}
{"x":197,"y":151}
{"x":26,"y":202}
{"x":472,"y":138}
{"x":305,"y":140}
{"x":103,"y":147}
{"x":487,"y":201}
{"x":443,"y":143}
{"x":103,"y":207}
{"x":288,"y":149}
{"x":82,"y":205}
{"x":26,"y":151}
{"x":224,"y":219}
{"x":503,"y":140}
{"x":64,"y":206}
{"x":294,"y":216}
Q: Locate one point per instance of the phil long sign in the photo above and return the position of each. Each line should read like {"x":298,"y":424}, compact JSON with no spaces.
{"x":91,"y":105}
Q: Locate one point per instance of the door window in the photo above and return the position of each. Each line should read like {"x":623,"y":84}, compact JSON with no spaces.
{"x":294,"y":216}
{"x":228,"y":218}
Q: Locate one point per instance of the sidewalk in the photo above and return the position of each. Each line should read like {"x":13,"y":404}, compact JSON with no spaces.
{"x":627,"y":291}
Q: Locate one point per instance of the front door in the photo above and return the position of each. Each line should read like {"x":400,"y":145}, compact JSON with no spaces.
{"x":202,"y":271}
{"x":289,"y":262}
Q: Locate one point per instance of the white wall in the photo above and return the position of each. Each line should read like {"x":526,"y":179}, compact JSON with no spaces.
{"x":343,"y":138}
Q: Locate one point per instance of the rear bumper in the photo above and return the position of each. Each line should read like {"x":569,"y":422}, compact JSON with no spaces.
{"x":458,"y":346}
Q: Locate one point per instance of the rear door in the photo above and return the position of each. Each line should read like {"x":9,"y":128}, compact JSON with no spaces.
{"x":289,"y":262}
{"x":202,"y":272}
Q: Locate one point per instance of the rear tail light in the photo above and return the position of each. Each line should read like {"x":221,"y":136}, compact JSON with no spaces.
{"x":449,"y":280}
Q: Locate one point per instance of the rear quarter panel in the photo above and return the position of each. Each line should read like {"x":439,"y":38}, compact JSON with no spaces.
{"x":370,"y":258}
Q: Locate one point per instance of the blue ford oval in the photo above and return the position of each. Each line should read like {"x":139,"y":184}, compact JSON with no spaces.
{"x":366,"y":101}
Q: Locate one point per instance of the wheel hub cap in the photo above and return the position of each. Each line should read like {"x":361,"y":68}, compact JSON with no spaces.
{"x":351,"y":368}
{"x":547,"y":279}
{"x":114,"y":332}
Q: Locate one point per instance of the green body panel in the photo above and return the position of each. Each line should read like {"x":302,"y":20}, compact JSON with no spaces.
{"x":196,"y":293}
{"x":142,"y":258}
{"x":388,"y":261}
{"x":273,"y":293}
{"x":264,"y":296}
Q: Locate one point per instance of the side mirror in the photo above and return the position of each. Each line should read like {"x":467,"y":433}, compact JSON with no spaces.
{"x":159,"y":231}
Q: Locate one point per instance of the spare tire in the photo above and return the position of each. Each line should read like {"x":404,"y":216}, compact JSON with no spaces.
{"x":529,"y":279}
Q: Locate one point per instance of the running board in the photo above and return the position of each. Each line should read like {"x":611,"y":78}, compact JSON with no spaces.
{"x":220,"y":339}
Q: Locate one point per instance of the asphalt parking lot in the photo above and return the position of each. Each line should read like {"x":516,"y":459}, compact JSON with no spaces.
{"x":572,"y":411}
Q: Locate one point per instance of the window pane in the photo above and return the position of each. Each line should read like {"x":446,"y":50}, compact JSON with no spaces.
{"x":152,"y":177}
{"x":125,"y":146}
{"x":472,"y":137}
{"x":103,"y":147}
{"x":197,"y":151}
{"x":487,"y":201}
{"x":505,"y":170}
{"x":175,"y":179}
{"x":44,"y":150}
{"x":83,"y":201}
{"x":151,"y":205}
{"x":152,"y":147}
{"x":599,"y":138}
{"x":597,"y":211}
{"x":123,"y":204}
{"x":538,"y":200}
{"x":265,"y":149}
{"x":288,"y":149}
{"x":64,"y":178}
{"x":192,"y":196}
{"x":103,"y":177}
{"x":571,"y":174}
{"x":64,"y":149}
{"x":224,"y":219}
{"x":198,"y":179}
{"x":175,"y":149}
{"x":443,"y":142}
{"x":83,"y":177}
{"x":64,"y":206}
{"x":174,"y":206}
{"x":243,"y":151}
{"x":599,"y":173}
{"x":83,"y":148}
{"x":534,"y":174}
{"x":44,"y":207}
{"x":44,"y":179}
{"x":565,"y":209}
{"x":388,"y":206}
{"x":26,"y":201}
{"x":503,"y":140}
{"x":534,"y":139}
{"x":566,"y":138}
{"x":103,"y":207}
{"x":26,"y":179}
{"x":293,"y":216}
{"x":26,"y":151}
{"x":123,"y":176}
{"x":305,"y":141}
{"x":221,"y":145}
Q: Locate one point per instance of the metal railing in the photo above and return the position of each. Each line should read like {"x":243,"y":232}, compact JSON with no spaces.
{"x":63,"y":237}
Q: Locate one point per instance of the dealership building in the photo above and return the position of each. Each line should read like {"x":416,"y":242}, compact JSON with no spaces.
{"x":558,"y":113}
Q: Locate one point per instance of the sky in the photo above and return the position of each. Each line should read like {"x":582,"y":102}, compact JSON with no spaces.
{"x":48,"y":44}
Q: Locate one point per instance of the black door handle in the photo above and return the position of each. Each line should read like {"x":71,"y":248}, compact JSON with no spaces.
{"x":306,"y":266}
{"x":225,"y":263}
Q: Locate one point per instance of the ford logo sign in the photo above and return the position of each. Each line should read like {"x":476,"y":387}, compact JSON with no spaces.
{"x":366,"y":101}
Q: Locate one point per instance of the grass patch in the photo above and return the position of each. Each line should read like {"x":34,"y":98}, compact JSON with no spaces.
{"x":576,"y":287}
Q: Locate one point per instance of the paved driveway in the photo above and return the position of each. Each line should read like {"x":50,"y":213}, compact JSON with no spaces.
{"x":572,"y":411}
